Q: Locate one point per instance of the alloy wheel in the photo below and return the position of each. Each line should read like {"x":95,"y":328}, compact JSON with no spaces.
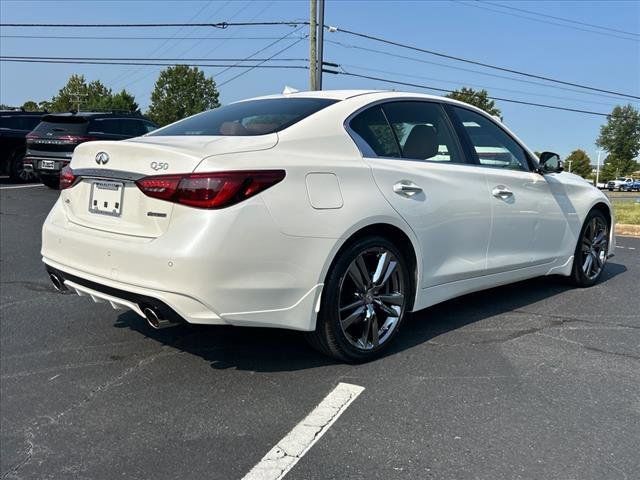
{"x":595,"y":242}
{"x":372,"y":298}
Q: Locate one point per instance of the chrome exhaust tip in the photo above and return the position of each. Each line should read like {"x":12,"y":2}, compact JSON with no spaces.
{"x":155,"y":321}
{"x":58,"y":283}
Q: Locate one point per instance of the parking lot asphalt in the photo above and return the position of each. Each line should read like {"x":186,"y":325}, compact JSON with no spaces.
{"x":534,"y":381}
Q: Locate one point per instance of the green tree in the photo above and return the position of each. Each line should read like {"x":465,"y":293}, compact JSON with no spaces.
{"x":90,"y":96}
{"x":30,"y":106}
{"x":477,"y":98}
{"x":181,"y":91}
{"x":620,"y":136}
{"x":580,"y":163}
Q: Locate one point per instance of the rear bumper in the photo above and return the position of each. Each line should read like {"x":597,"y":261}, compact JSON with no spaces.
{"x":230,"y":266}
{"x":34,"y":163}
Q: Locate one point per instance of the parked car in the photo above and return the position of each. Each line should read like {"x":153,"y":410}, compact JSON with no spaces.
{"x":335,"y":213}
{"x":50,"y":145}
{"x":14,"y":126}
{"x":631,"y":187}
{"x":619,"y":183}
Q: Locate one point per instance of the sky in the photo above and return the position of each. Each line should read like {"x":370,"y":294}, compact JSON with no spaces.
{"x":482,"y":31}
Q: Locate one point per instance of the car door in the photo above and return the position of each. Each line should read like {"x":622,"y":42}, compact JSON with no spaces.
{"x":528,"y":224}
{"x":420,"y":168}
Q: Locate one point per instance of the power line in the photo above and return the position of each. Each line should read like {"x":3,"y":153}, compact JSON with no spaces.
{"x":66,"y":37}
{"x":474,"y":62}
{"x":221,"y":25}
{"x":470,"y":70}
{"x":121,"y":76}
{"x":156,"y":64}
{"x":570,"y":20}
{"x":140,"y":59}
{"x":477,"y":4}
{"x":467,"y":84}
{"x":510,"y":100}
{"x":250,"y":57}
{"x":261,"y":63}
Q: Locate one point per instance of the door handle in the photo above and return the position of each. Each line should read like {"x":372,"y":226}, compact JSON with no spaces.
{"x":406,"y":188}
{"x":501,"y":192}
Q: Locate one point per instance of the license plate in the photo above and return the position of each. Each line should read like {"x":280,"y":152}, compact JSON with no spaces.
{"x":106,"y":198}
{"x":48,"y":164}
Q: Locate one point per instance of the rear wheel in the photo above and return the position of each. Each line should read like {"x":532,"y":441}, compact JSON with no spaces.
{"x":592,"y":250}
{"x":51,"y":181}
{"x":366,"y":296}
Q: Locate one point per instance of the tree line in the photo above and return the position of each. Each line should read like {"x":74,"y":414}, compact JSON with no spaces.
{"x":181,"y":91}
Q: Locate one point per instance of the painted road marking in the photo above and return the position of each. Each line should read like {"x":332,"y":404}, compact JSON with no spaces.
{"x":281,"y":458}
{"x":22,"y":186}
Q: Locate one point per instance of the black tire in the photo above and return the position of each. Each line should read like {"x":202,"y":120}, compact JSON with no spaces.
{"x":330,"y":336}
{"x":51,"y":181}
{"x":17,"y":173}
{"x":588,"y":233}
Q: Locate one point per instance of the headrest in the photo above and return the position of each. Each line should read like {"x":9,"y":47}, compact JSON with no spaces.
{"x":422,"y":143}
{"x":232,"y":128}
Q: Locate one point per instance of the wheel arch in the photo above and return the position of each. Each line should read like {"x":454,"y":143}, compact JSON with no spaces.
{"x":403,"y":238}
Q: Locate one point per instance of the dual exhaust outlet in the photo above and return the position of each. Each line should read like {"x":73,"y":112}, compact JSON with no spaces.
{"x":153,"y":317}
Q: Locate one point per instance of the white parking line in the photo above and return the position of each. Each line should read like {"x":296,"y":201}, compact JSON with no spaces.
{"x":281,"y":458}
{"x":22,"y":186}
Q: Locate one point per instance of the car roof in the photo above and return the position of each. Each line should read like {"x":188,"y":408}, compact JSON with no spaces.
{"x":369,"y":95}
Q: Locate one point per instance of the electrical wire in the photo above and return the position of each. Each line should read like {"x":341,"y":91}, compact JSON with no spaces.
{"x":563,"y":19}
{"x":159,"y":64}
{"x":477,"y":4}
{"x":437,"y":89}
{"x":222,"y":25}
{"x":475,"y":62}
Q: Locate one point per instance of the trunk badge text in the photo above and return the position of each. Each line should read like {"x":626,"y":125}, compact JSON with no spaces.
{"x":102,"y":158}
{"x":159,"y":165}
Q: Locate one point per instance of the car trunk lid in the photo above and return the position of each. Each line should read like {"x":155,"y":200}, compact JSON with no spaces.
{"x":106,"y":197}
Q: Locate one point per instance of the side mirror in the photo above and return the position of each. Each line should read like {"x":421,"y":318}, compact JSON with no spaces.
{"x":550,"y":163}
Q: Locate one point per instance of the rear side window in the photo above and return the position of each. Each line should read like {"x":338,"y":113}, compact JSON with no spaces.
{"x":423,"y":131}
{"x":374,"y":130}
{"x":53,"y":126}
{"x":253,"y":117}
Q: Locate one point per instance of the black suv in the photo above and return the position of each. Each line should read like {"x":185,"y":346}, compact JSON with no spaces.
{"x":14,"y":126}
{"x":51,"y":144}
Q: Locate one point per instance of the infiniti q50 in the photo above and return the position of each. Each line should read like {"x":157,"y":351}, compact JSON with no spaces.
{"x":335,"y":213}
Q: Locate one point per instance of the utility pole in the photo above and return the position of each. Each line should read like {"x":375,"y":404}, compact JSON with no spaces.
{"x":598,"y":168}
{"x":320,"y":43}
{"x":76,"y":98}
{"x":313,"y":58}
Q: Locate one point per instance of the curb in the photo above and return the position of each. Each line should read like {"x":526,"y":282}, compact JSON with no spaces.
{"x":627,"y":230}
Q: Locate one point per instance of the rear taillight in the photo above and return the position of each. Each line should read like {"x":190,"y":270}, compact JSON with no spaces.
{"x":67,"y":178}
{"x":209,"y":190}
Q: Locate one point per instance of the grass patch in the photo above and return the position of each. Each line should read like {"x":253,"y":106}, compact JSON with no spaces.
{"x":627,"y":212}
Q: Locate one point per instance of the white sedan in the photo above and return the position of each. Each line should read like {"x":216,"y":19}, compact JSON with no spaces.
{"x":335,"y":213}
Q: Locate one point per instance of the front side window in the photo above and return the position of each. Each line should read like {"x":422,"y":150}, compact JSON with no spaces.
{"x":493,"y":146}
{"x":423,"y":132}
{"x":252,"y":117}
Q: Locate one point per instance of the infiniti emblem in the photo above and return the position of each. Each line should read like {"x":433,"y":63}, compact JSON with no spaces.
{"x":102,"y":158}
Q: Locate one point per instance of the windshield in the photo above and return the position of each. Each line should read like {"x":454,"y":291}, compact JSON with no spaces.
{"x":253,"y":117}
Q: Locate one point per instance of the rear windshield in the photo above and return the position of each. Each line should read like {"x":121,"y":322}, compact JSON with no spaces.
{"x":253,"y":117}
{"x":62,"y":125}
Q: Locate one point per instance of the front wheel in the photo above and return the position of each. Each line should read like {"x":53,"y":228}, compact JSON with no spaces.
{"x":592,"y":250}
{"x":366,"y":296}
